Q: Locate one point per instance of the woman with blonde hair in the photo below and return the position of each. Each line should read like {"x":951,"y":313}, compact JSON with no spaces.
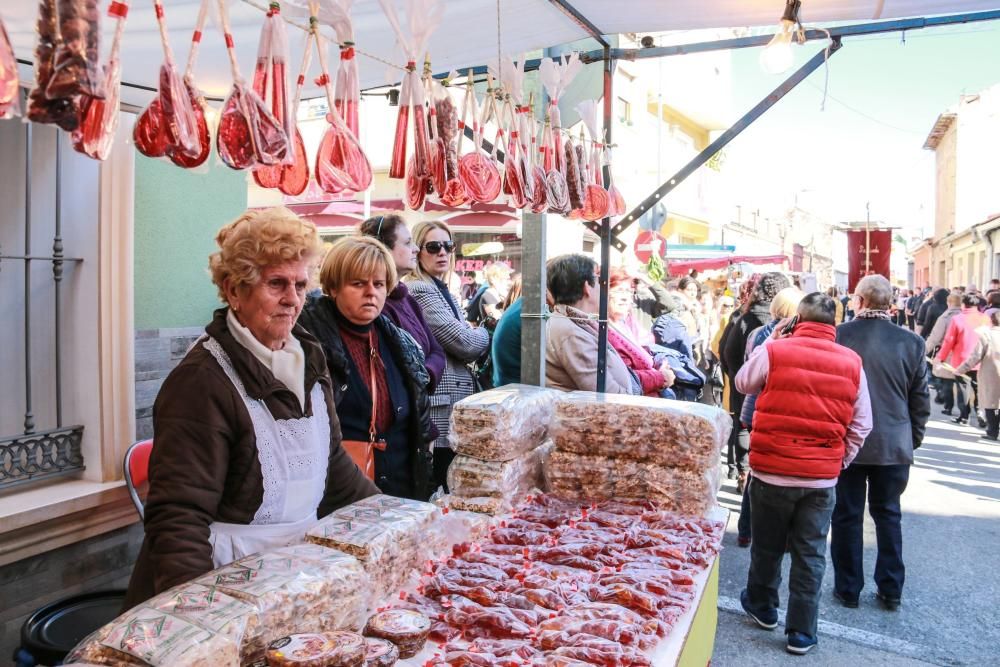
{"x":462,"y":343}
{"x":379,"y":378}
{"x":498,"y":281}
{"x":248,"y":446}
{"x":784,"y":305}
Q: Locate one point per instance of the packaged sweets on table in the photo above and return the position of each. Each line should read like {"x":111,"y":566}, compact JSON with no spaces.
{"x":146,"y":636}
{"x":503,"y":423}
{"x":214,"y":610}
{"x":405,"y":628}
{"x":679,"y":490}
{"x":380,"y":652}
{"x":473,"y":478}
{"x":678,"y":434}
{"x":326,"y":649}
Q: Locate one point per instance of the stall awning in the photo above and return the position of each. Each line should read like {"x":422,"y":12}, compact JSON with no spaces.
{"x":684,"y":267}
{"x":466,"y":37}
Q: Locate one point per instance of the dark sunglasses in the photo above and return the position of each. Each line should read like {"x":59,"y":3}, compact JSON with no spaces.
{"x":434,"y":247}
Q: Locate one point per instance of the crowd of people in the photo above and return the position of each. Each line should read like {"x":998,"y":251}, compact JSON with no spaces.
{"x":298,"y":401}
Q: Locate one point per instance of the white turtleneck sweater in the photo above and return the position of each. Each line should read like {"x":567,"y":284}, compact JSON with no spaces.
{"x":288,"y":365}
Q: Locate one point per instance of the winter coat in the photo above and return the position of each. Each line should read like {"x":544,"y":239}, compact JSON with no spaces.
{"x":462,"y":344}
{"x":803,"y":412}
{"x":962,"y":336}
{"x":734,"y":345}
{"x":893,"y":359}
{"x":755,"y":340}
{"x":411,"y":440}
{"x":987,"y":351}
{"x":205,"y":468}
{"x":671,"y":332}
{"x":936,"y":308}
{"x":506,"y":346}
{"x":637,"y":360}
{"x":405,"y":313}
{"x":571,"y":355}
{"x":936,"y":336}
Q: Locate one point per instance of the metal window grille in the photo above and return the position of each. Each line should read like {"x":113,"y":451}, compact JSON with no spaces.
{"x":39,"y":454}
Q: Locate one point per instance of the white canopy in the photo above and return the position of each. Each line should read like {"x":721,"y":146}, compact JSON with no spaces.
{"x":466,"y":37}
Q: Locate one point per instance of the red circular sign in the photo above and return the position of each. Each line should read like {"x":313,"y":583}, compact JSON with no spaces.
{"x":647,"y":242}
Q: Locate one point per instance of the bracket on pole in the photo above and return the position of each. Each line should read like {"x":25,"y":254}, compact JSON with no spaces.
{"x":743,"y":123}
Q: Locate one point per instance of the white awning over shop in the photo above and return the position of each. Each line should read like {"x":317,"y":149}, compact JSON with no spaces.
{"x":466,"y":37}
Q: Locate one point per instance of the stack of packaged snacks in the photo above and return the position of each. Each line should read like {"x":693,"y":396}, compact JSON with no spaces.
{"x":610,"y":445}
{"x":499,"y":436}
{"x":389,"y":538}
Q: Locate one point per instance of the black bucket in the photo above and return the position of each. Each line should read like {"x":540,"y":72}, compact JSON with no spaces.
{"x":53,"y":630}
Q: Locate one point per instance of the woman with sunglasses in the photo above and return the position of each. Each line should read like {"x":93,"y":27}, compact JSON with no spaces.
{"x":462,"y":343}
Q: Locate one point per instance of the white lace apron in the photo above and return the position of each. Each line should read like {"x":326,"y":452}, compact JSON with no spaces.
{"x":294,"y":455}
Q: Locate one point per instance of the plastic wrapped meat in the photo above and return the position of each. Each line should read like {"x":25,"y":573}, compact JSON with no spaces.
{"x":672,"y":433}
{"x":503,"y":423}
{"x":99,"y":115}
{"x":328,"y":649}
{"x":10,"y":103}
{"x":685,"y":491}
{"x":509,"y":480}
{"x":61,"y":111}
{"x":75,"y":68}
{"x":146,"y":636}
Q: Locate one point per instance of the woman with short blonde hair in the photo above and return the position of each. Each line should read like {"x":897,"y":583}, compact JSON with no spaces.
{"x":380,"y":382}
{"x":248,"y":450}
{"x":784,"y":305}
{"x":462,"y":343}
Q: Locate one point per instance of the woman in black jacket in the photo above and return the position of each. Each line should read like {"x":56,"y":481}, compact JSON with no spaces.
{"x":364,"y":349}
{"x":732,"y":349}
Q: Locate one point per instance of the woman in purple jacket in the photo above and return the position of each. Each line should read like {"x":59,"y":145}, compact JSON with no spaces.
{"x":400,"y":306}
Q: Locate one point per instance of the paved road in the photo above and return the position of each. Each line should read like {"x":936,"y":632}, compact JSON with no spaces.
{"x":951,"y":601}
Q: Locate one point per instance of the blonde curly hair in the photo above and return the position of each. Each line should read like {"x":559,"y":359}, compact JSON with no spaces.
{"x":257,"y":239}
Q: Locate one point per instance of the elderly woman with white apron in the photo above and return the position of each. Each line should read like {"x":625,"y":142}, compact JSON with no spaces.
{"x":247,"y":447}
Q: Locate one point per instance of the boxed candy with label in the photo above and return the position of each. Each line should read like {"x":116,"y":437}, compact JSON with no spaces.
{"x":146,"y":636}
{"x":327,"y":649}
{"x":678,"y":434}
{"x":503,"y":423}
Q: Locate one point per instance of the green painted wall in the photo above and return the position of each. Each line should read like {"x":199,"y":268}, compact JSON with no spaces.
{"x":177,"y":214}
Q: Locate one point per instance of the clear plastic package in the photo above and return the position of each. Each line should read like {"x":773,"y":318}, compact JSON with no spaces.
{"x":503,"y":423}
{"x":146,"y":636}
{"x":326,"y":649}
{"x":470,"y":477}
{"x":214,"y":610}
{"x":679,"y":434}
{"x":679,"y":490}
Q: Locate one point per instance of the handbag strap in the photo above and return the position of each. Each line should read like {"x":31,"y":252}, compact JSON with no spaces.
{"x":372,"y":431}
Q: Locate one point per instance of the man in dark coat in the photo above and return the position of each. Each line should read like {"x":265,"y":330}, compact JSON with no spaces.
{"x":932,"y":310}
{"x":893,"y":360}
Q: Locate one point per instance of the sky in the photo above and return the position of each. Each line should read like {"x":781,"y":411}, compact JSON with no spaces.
{"x":883,"y":98}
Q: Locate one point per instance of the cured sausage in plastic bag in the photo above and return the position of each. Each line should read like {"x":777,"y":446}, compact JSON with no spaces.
{"x":61,"y":111}
{"x":75,"y":69}
{"x":99,"y":115}
{"x":10,"y":103}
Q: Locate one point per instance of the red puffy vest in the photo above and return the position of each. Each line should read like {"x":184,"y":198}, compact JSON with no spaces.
{"x":803,"y":411}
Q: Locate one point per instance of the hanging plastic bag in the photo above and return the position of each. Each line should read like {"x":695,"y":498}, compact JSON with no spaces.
{"x":513,"y":170}
{"x":168,"y":123}
{"x":347,"y":91}
{"x":556,"y":188}
{"x":99,"y":116}
{"x":10,"y":102}
{"x":61,"y":111}
{"x":478,"y":172}
{"x":556,"y":75}
{"x":521,"y":131}
{"x":248,"y":133}
{"x":270,"y":78}
{"x":596,"y":204}
{"x":423,"y":17}
{"x":451,"y":131}
{"x":341,"y":165}
{"x":540,"y":196}
{"x":291,"y":178}
{"x":434,"y":91}
{"x":75,"y":69}
{"x":177,"y":155}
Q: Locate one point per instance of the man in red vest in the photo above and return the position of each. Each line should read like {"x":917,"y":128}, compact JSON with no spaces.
{"x":812,"y":416}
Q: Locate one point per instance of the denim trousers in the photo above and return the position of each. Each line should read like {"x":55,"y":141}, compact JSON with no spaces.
{"x":800,"y":518}
{"x":883,"y":486}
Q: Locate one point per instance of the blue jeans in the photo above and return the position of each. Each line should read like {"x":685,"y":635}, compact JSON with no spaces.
{"x":883,"y":485}
{"x":800,"y":518}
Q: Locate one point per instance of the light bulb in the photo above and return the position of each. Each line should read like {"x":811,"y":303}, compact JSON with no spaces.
{"x":777,"y":56}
